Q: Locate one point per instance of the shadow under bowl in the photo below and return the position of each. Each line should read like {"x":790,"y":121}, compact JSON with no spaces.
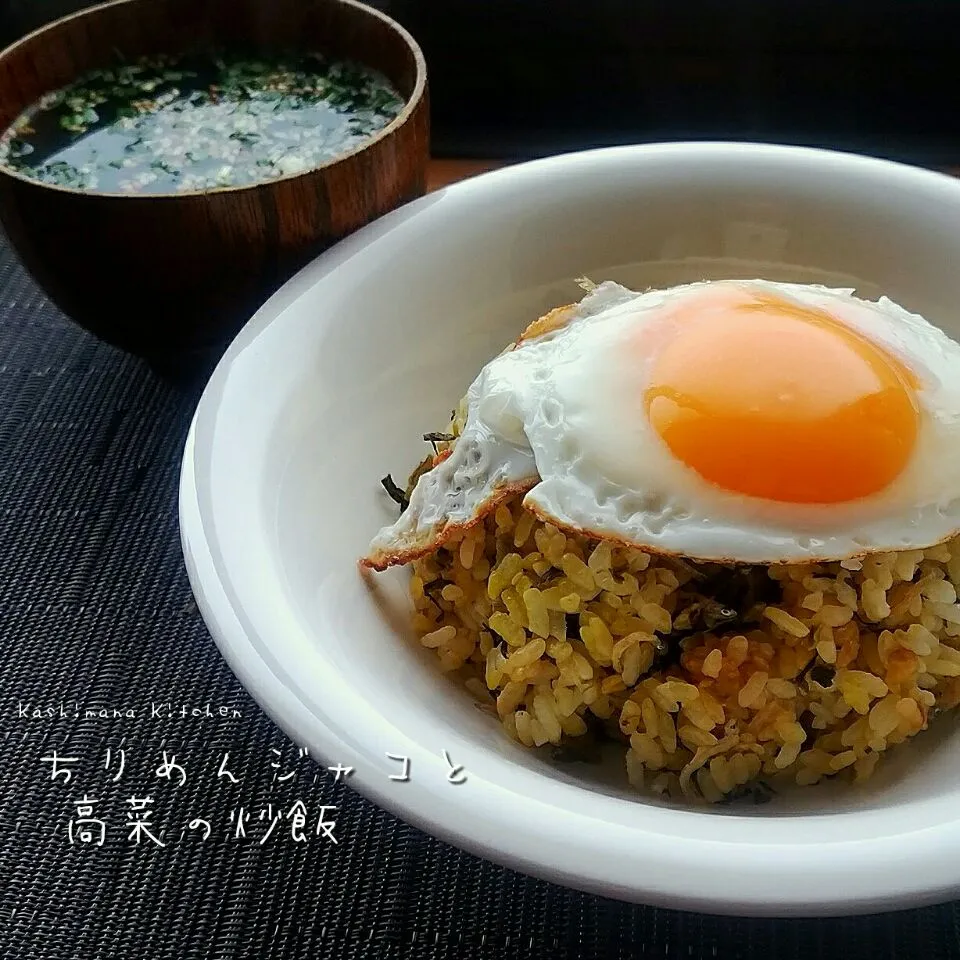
{"x":172,"y":277}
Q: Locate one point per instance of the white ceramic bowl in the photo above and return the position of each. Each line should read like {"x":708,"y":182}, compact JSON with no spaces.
{"x":330,"y":386}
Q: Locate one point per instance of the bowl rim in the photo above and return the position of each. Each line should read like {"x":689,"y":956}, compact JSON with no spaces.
{"x":413,"y":102}
{"x":767,"y":878}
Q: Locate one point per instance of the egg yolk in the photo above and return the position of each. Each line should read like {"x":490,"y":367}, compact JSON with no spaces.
{"x":771,"y":399}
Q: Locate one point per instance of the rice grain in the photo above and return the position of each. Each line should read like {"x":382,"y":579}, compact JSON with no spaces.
{"x":558,"y":633}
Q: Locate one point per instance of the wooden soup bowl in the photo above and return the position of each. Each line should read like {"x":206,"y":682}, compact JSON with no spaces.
{"x":172,"y":277}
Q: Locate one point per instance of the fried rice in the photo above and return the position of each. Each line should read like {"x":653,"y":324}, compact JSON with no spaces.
{"x":719,"y":681}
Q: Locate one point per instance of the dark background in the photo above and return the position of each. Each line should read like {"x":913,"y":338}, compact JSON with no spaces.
{"x":516,"y":78}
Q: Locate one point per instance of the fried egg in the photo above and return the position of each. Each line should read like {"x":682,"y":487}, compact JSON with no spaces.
{"x":738,"y":420}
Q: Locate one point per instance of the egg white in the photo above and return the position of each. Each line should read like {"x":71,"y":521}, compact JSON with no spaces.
{"x":561,"y":416}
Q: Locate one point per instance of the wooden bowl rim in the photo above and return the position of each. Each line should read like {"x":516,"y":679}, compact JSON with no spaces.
{"x":413,"y":102}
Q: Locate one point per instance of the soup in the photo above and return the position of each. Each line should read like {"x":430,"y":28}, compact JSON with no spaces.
{"x":200,"y":122}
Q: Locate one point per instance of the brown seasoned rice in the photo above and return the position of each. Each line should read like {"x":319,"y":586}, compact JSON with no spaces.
{"x":820,"y":671}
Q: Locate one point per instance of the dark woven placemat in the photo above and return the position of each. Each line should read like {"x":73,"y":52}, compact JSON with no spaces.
{"x":105,"y":661}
